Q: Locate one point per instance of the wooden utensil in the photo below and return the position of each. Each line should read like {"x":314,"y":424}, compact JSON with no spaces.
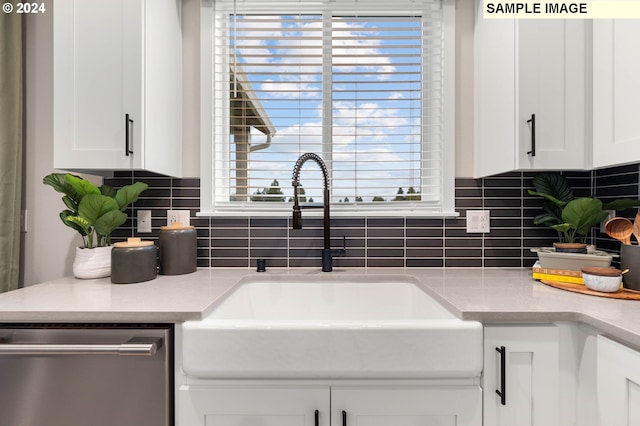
{"x":636,"y":227}
{"x":619,"y":228}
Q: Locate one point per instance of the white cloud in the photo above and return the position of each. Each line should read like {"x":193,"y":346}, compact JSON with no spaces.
{"x":284,"y":56}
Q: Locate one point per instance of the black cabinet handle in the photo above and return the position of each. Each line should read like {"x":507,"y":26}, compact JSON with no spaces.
{"x":344,"y":418}
{"x":317,"y":417}
{"x":127,"y":127}
{"x":532,"y":120}
{"x":502,"y":392}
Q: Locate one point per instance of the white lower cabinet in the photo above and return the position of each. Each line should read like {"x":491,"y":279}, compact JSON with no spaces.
{"x":560,"y":374}
{"x":618,"y":391}
{"x":406,"y":406}
{"x":521,"y":375}
{"x":298,"y":405}
{"x":229,"y":405}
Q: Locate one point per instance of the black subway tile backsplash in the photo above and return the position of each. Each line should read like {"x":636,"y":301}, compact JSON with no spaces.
{"x":383,"y":241}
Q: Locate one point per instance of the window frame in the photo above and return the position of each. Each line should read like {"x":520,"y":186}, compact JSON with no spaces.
{"x":209,"y":173}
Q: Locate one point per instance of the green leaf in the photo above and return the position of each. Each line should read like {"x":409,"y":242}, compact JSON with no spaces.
{"x":583,"y":213}
{"x":81,"y":186}
{"x":92,"y":210}
{"x":130,"y":193}
{"x":109,"y":221}
{"x":70,"y":203}
{"x":59,"y":183}
{"x":561,"y":227}
{"x":555,"y":186}
{"x":107,"y":190}
{"x":93,"y":206}
{"x":548,"y":197}
{"x":621,"y":204}
{"x":76,"y":222}
{"x":546,"y":219}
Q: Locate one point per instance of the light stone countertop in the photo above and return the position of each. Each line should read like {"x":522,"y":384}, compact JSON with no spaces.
{"x":487,"y":295}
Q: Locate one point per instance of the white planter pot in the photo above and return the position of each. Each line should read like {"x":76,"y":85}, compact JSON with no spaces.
{"x":92,"y":263}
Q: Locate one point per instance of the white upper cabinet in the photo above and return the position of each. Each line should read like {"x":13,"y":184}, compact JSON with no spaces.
{"x":529,"y":95}
{"x":494,"y":138}
{"x":616,"y":91}
{"x":118,"y":85}
{"x":551,"y":87}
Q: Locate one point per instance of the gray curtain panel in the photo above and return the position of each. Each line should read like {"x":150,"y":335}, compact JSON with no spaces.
{"x":10,"y":148}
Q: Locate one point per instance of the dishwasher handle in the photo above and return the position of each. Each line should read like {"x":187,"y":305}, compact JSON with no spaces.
{"x":136,"y":346}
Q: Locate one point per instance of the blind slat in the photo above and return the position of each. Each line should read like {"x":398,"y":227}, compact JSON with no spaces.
{"x":371,"y":120}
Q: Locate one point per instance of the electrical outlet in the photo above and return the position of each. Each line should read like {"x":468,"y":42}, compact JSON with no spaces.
{"x":478,"y":221}
{"x":181,"y":216}
{"x":144,"y":221}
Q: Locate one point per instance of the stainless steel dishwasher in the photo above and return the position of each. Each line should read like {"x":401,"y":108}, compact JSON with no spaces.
{"x":86,"y":374}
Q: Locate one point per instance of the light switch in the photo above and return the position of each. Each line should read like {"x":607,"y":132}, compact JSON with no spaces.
{"x":144,"y":220}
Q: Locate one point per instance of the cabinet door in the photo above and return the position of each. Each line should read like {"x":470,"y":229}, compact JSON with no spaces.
{"x":252,"y":406}
{"x":616,"y":90}
{"x":118,"y":79}
{"x":494,"y":135}
{"x":97,"y":81}
{"x":551,"y":85}
{"x":444,"y":406}
{"x":525,"y":67}
{"x":531,"y":375}
{"x":618,"y":384}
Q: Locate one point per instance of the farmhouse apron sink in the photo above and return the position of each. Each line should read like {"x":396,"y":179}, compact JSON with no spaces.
{"x":331,"y":327}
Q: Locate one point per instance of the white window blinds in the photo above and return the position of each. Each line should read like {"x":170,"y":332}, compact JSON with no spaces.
{"x":359,"y":82}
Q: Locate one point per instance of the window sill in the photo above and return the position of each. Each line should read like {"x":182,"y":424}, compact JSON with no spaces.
{"x":336,"y":211}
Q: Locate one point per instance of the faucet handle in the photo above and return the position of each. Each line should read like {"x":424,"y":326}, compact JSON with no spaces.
{"x":343,"y":250}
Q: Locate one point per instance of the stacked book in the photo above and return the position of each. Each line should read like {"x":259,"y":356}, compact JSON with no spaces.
{"x":557,"y":275}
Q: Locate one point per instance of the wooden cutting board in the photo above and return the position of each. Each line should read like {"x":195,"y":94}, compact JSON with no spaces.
{"x":581,"y":288}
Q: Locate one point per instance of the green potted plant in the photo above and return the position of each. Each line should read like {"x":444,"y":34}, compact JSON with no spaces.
{"x":572,"y":218}
{"x":94,"y":212}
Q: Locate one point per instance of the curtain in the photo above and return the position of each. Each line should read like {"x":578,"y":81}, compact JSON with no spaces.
{"x":10,"y":148}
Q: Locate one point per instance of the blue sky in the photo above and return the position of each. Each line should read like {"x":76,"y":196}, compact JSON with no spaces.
{"x":379,"y":130}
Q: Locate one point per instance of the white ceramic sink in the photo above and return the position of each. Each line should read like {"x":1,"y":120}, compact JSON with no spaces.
{"x":325,"y":327}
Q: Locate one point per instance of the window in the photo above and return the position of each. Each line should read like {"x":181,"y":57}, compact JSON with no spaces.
{"x":365,"y":84}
